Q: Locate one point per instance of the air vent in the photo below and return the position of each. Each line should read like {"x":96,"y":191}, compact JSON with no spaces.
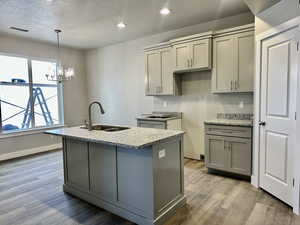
{"x":19,"y":29}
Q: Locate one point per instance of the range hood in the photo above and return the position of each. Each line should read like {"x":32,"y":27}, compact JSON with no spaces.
{"x":257,"y":6}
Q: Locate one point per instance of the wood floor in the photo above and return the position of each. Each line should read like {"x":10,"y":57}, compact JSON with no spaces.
{"x":31,"y":194}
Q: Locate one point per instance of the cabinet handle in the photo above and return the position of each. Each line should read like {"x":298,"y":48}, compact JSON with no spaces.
{"x":231,"y":84}
{"x":157,"y":90}
{"x":236,"y":84}
{"x":192,"y":62}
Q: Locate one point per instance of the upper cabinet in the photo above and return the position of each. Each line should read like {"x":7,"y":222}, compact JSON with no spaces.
{"x":233,"y":60}
{"x":192,"y":53}
{"x":159,"y":71}
{"x":229,"y":53}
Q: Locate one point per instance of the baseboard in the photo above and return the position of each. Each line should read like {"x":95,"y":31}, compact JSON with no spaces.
{"x":31,"y":151}
{"x":192,"y":156}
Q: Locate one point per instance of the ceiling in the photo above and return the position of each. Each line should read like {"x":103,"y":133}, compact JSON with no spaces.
{"x":92,"y":23}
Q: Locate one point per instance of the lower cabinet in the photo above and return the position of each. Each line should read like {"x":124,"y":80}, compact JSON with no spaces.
{"x":77,"y":162}
{"x":229,"y":153}
{"x":102,"y":169}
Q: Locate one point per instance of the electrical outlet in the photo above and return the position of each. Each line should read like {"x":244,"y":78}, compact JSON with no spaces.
{"x":165,"y":104}
{"x":162,"y":153}
{"x":241,"y":105}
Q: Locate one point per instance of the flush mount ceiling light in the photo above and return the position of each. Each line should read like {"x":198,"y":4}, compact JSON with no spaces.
{"x":165,"y":11}
{"x":60,"y":73}
{"x":121,"y":25}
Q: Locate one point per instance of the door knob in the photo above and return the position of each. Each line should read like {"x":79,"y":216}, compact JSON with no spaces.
{"x":262,"y":123}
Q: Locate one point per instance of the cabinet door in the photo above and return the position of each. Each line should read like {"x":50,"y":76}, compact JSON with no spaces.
{"x":167,"y":72}
{"x":76,"y":158}
{"x":103,"y":174}
{"x":201,"y":54}
{"x":181,"y":54}
{"x":223,"y":64}
{"x":244,"y":47}
{"x":216,"y":154}
{"x":239,"y":155}
{"x":153,"y":72}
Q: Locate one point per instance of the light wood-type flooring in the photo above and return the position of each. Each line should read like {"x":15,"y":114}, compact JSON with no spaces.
{"x":31,"y":194}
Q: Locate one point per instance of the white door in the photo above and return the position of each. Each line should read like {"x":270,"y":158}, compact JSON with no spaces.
{"x":278,"y":107}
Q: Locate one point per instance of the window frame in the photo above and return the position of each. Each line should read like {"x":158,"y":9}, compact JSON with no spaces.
{"x":60,"y":99}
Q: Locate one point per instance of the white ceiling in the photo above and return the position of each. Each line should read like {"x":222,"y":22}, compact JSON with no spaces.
{"x":92,"y":23}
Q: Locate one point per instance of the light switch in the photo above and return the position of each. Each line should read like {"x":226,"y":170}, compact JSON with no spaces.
{"x":165,"y":104}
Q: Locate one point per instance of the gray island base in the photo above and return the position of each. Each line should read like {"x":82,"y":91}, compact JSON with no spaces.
{"x":142,"y":183}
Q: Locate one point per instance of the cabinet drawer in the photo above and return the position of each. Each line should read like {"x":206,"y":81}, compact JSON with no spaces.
{"x":231,"y":131}
{"x":151,"y":124}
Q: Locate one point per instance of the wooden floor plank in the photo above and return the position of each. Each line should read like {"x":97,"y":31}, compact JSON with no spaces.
{"x":31,"y":194}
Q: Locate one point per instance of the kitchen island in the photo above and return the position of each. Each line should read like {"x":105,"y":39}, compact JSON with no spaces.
{"x":136,"y":173}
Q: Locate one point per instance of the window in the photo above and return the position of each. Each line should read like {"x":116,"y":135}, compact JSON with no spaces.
{"x":27,"y":99}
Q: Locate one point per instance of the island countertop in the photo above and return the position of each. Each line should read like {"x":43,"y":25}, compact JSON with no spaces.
{"x":135,"y":137}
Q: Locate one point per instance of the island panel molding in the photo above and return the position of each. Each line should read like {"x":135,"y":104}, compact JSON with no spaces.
{"x":142,"y":183}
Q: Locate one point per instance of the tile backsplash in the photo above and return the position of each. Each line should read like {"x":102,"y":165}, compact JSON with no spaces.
{"x":235,"y":116}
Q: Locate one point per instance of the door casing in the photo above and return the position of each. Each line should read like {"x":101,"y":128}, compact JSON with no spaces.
{"x":291,"y":24}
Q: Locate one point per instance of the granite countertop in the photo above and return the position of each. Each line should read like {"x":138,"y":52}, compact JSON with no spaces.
{"x":135,"y":137}
{"x":228,"y":122}
{"x":157,"y":119}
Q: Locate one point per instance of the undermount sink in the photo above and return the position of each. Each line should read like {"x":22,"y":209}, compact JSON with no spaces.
{"x":107,"y":128}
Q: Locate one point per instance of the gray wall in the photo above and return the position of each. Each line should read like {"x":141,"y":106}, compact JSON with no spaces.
{"x":116,"y":77}
{"x":277,"y":14}
{"x":75,"y":92}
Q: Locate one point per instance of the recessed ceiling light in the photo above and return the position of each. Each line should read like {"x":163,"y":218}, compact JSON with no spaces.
{"x":165,"y":11}
{"x":49,"y":1}
{"x":121,"y":25}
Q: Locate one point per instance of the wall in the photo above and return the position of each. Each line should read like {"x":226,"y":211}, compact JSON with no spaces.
{"x":75,"y":93}
{"x":277,"y":14}
{"x":115,"y":76}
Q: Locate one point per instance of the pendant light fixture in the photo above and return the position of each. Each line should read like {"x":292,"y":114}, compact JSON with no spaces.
{"x":60,"y":74}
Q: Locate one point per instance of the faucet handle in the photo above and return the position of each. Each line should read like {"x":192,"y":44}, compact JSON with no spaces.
{"x":86,"y":123}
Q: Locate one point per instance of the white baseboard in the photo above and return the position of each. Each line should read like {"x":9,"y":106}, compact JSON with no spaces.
{"x":31,"y":151}
{"x":192,"y":156}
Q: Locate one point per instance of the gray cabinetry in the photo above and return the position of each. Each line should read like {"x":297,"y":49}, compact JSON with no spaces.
{"x":143,"y":185}
{"x":102,"y":169}
{"x":216,"y":155}
{"x":159,"y":71}
{"x":229,"y":148}
{"x":192,"y":53}
{"x":152,"y":124}
{"x":76,"y":153}
{"x":233,"y":60}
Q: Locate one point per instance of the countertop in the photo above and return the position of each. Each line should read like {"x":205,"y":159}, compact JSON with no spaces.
{"x":228,"y":122}
{"x":157,"y":119}
{"x":135,"y":137}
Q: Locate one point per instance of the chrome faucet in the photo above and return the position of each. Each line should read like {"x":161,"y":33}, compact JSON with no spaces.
{"x":90,"y":126}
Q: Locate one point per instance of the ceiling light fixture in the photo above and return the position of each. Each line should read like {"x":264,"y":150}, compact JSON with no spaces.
{"x":121,"y":25}
{"x":165,"y":11}
{"x":60,"y":74}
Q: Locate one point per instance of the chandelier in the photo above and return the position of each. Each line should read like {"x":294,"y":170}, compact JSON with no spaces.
{"x":60,"y":73}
